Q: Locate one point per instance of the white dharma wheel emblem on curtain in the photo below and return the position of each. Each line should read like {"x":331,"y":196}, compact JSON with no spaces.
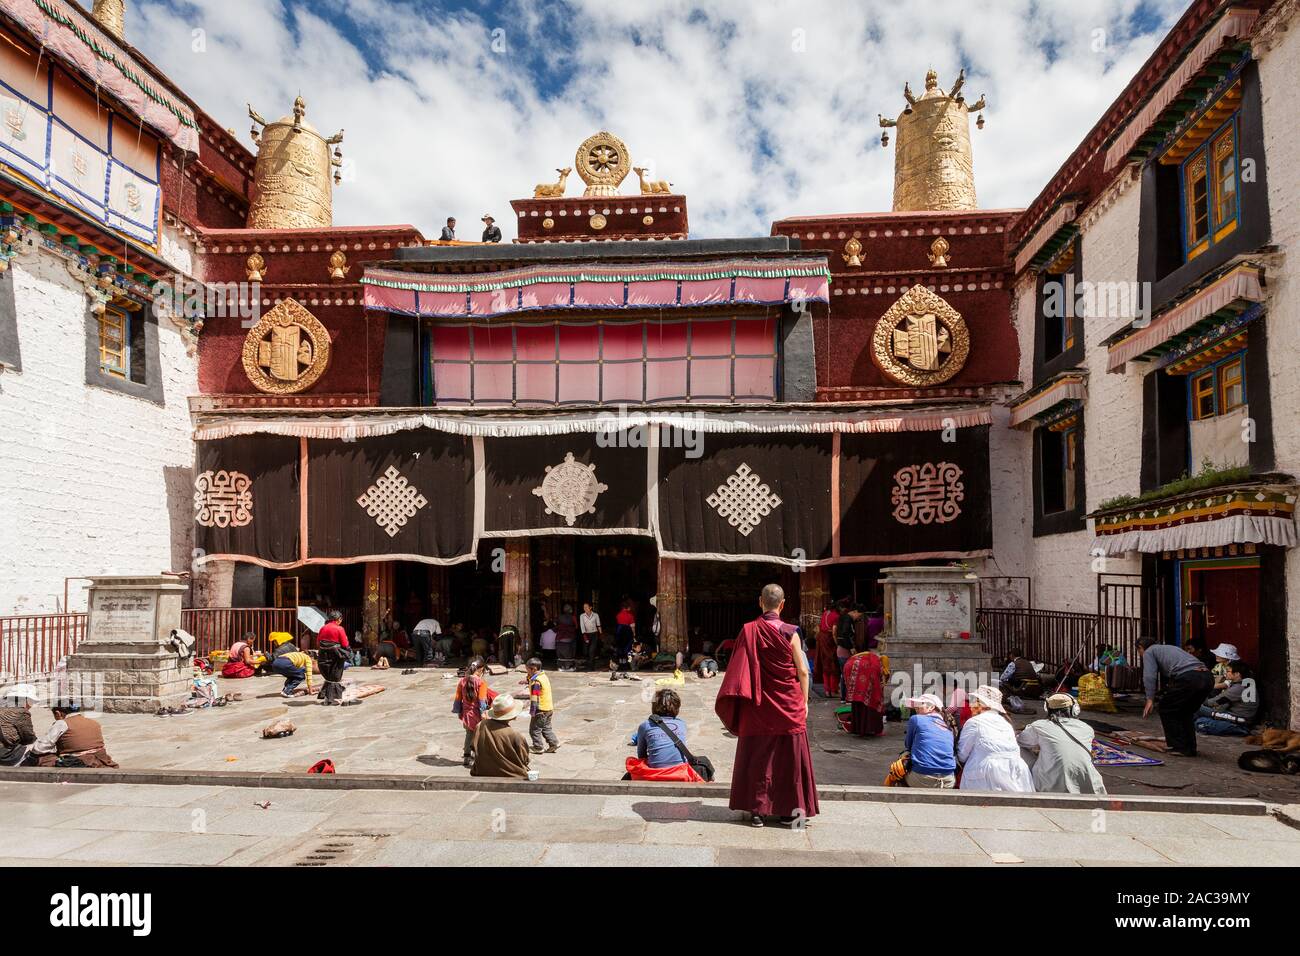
{"x":570,"y":489}
{"x":928,"y":494}
{"x":223,"y":499}
{"x":744,"y":500}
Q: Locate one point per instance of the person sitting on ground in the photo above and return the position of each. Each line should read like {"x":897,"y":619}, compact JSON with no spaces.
{"x":1224,"y":655}
{"x":929,"y":742}
{"x":1063,"y":745}
{"x":242,"y":661}
{"x":1230,"y":712}
{"x":449,"y":644}
{"x":988,"y":750}
{"x":499,"y":750}
{"x":471,"y":700}
{"x":1020,"y":677}
{"x":864,"y":689}
{"x":479,"y":646}
{"x":73,"y":740}
{"x":290,"y":663}
{"x":16,"y":732}
{"x":658,"y":755}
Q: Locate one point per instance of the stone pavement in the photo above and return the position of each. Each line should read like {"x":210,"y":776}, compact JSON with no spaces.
{"x":76,"y":824}
{"x":410,"y":729}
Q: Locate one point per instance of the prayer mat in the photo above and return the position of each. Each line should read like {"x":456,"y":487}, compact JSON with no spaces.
{"x":1104,"y":755}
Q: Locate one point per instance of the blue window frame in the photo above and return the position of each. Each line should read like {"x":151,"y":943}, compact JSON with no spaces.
{"x":1217,"y":389}
{"x":1209,"y":183}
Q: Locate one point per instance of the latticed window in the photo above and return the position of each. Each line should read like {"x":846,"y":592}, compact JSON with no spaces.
{"x":115,"y":343}
{"x":703,"y":358}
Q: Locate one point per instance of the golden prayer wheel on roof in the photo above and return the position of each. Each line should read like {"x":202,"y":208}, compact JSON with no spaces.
{"x":933,"y":169}
{"x":294,"y":173}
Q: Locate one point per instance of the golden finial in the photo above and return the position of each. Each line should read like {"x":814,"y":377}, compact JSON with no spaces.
{"x":939,"y":253}
{"x":852,"y":254}
{"x":933,"y":168}
{"x":255,"y":268}
{"x":339,"y":265}
{"x":292,"y":172}
{"x":111,"y":15}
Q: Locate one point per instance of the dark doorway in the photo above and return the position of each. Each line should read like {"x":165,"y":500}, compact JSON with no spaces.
{"x":608,"y":570}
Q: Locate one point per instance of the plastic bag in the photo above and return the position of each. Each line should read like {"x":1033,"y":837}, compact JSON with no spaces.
{"x":1094,"y":694}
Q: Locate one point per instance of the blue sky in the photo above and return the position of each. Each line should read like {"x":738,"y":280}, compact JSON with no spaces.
{"x":755,"y":110}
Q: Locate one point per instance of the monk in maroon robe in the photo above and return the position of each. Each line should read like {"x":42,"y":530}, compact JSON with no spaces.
{"x":763,"y":700}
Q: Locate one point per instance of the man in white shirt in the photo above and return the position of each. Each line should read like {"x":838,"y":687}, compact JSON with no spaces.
{"x":424,"y":633}
{"x":589,"y":626}
{"x":548,"y":639}
{"x":1062,"y":745}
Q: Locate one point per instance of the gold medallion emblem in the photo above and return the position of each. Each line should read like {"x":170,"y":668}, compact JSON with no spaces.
{"x":597,"y":222}
{"x":287,"y":351}
{"x":920,"y":340}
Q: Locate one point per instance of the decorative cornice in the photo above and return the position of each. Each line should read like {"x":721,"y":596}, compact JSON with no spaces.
{"x":1272,"y":26}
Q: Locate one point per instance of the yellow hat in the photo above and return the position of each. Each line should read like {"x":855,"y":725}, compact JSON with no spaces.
{"x":280,"y":637}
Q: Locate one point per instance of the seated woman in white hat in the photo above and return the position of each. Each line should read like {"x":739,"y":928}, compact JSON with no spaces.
{"x":16,"y":731}
{"x":1062,"y":744}
{"x":1224,"y":655}
{"x":987,"y":747}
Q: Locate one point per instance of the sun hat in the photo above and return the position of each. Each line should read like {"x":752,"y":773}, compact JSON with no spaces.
{"x":487,"y":218}
{"x":990,"y":697}
{"x":505,"y":707}
{"x":929,"y":699}
{"x":1060,"y":702}
{"x":21,"y":692}
{"x":1227,"y":651}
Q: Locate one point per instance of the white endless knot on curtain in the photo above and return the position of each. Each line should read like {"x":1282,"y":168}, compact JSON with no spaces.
{"x":223,"y":499}
{"x":570,"y":489}
{"x":392,"y":501}
{"x":928,"y":494}
{"x":743,"y":500}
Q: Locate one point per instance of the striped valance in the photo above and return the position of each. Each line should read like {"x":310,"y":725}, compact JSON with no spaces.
{"x":612,"y":420}
{"x":1242,"y":285}
{"x":1217,"y":517}
{"x":1235,"y":23}
{"x":1030,"y":405}
{"x":598,"y":286}
{"x":1063,"y":216}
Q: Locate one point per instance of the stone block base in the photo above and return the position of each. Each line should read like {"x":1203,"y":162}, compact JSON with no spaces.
{"x":124,"y":679}
{"x":936,"y":667}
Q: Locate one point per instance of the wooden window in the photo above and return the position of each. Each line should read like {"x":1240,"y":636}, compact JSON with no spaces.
{"x":1196,"y":191}
{"x":1069,"y":449}
{"x":1232,"y":387}
{"x":1203,"y":394}
{"x":115,"y":343}
{"x":1224,"y":151}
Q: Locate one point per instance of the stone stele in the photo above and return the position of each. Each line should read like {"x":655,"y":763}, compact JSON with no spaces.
{"x":926,"y":609}
{"x":124,"y":664}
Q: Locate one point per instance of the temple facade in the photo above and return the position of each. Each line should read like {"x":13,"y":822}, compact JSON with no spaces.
{"x":1085,"y":400}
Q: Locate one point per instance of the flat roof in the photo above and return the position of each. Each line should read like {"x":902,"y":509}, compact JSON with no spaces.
{"x":416,"y":257}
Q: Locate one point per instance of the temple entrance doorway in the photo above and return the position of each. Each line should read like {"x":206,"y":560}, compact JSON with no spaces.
{"x":610,"y":569}
{"x":721,"y":596}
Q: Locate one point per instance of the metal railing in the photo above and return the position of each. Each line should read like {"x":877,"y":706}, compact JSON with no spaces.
{"x":1058,"y":637}
{"x":31,"y":645}
{"x":216,"y":628}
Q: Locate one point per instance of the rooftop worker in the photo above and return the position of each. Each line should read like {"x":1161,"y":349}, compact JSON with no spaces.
{"x":1063,"y":744}
{"x":73,"y":740}
{"x":449,"y":230}
{"x":16,"y":732}
{"x":500,"y":750}
{"x":763,"y":700}
{"x":491,"y":231}
{"x":1185,"y":683}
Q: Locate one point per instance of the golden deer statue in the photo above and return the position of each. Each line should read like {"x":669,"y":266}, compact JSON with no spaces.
{"x":547,"y":190}
{"x":654,"y":185}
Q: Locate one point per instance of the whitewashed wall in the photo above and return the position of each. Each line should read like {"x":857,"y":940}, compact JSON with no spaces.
{"x":1279,"y":65}
{"x":92,"y":481}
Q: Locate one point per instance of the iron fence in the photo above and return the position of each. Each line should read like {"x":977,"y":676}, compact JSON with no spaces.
{"x":31,"y":645}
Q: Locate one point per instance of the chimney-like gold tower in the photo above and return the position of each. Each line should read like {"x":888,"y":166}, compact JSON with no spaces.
{"x":111,"y":15}
{"x":293,"y":172}
{"x":932,"y":161}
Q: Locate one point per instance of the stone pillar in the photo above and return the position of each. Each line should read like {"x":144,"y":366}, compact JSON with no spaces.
{"x":927,"y":612}
{"x":814,"y":589}
{"x":670,"y":602}
{"x":125,"y":664}
{"x":213,"y":585}
{"x":516,"y":588}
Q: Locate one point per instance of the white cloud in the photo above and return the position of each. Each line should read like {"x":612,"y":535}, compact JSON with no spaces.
{"x":730,"y":107}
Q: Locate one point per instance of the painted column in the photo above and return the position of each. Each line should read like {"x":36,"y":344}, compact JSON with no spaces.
{"x":670,"y":602}
{"x":439,"y":596}
{"x":516,"y":587}
{"x":555,"y":585}
{"x":213,"y":585}
{"x":814,"y":589}
{"x":378,"y":600}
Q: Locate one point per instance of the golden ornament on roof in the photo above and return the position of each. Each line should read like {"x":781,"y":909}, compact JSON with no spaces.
{"x":939,"y":253}
{"x":552,"y":190}
{"x":287,"y":351}
{"x":339,"y":265}
{"x":920,"y":340}
{"x":602,"y":162}
{"x":255,"y":268}
{"x":933,"y":169}
{"x":292,"y":174}
{"x":852,"y":254}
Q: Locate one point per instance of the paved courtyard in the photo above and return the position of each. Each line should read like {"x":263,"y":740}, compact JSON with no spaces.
{"x":409,"y":728}
{"x":122,"y":824}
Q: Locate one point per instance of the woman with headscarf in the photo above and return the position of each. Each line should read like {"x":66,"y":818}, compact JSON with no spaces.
{"x":987,"y":748}
{"x":241,"y":660}
{"x":16,"y":732}
{"x":864,"y":689}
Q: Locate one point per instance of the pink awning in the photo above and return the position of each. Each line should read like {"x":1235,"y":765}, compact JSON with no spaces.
{"x":1026,"y":408}
{"x":1241,"y":284}
{"x":1065,"y":214}
{"x":1234,"y":24}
